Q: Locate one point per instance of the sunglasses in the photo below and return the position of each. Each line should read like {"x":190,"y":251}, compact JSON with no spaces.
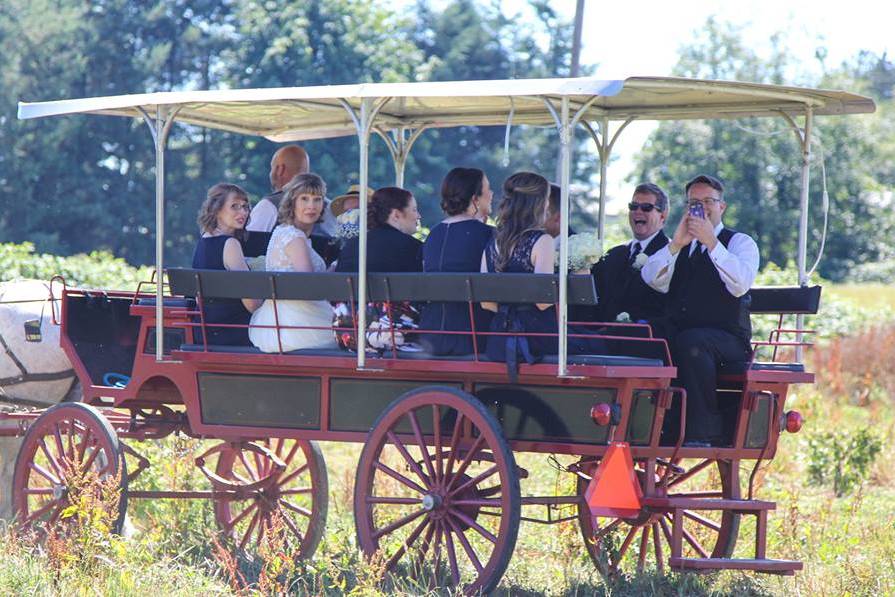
{"x":644,"y":207}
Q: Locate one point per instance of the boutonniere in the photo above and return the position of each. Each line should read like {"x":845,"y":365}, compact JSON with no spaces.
{"x":640,"y":261}
{"x":623,"y":317}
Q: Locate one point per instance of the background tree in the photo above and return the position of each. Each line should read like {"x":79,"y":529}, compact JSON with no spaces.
{"x":760,"y":160}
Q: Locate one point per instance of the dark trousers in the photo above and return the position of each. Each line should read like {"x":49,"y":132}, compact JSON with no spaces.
{"x":698,"y":353}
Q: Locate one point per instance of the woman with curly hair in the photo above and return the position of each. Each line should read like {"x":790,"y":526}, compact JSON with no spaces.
{"x":222,"y":221}
{"x":290,"y":250}
{"x":521,"y":245}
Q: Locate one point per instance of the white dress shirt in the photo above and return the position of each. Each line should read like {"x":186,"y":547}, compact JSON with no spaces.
{"x":643,"y":243}
{"x":263,"y":217}
{"x":737,"y":264}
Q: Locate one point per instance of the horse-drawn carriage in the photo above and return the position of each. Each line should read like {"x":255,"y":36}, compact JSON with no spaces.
{"x":437,"y":485}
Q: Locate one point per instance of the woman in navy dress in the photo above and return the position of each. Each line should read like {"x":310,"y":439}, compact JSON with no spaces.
{"x":456,"y":245}
{"x":521,"y":245}
{"x":222,"y":220}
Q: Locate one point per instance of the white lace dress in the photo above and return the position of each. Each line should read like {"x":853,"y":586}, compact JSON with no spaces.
{"x":291,"y":312}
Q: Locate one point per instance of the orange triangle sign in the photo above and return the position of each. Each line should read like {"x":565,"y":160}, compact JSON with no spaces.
{"x":614,"y":489}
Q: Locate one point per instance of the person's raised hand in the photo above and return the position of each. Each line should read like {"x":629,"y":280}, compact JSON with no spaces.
{"x":702,"y":230}
{"x":682,"y":236}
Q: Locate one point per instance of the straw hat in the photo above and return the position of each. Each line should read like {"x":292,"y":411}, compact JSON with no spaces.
{"x":337,"y":205}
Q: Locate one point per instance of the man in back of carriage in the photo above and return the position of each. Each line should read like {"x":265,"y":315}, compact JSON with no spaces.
{"x":706,"y":271}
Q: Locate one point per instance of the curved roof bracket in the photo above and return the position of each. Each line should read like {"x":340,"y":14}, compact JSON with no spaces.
{"x":399,"y":145}
{"x":794,"y":126}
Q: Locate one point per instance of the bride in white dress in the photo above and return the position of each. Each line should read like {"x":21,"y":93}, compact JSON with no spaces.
{"x":290,"y":251}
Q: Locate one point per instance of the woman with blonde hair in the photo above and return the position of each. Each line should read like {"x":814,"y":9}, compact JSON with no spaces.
{"x":290,"y":251}
{"x":521,"y":245}
{"x":222,"y":221}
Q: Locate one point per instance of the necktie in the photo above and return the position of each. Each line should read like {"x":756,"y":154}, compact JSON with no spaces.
{"x":697,"y":250}
{"x":635,"y":253}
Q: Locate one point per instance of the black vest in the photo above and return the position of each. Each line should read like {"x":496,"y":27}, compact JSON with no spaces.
{"x":698,"y":297}
{"x":620,"y":287}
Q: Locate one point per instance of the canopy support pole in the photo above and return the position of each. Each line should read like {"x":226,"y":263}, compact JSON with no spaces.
{"x":564,"y":125}
{"x":604,"y":150}
{"x":803,"y":216}
{"x":363,"y":122}
{"x":399,"y":146}
{"x":160,"y":127}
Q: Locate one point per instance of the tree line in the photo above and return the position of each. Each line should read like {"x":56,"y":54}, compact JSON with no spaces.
{"x":75,"y":184}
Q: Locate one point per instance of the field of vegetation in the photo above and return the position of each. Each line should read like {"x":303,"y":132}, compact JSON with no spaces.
{"x":833,"y":484}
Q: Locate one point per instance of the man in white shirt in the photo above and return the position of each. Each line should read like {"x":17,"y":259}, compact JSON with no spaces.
{"x":286,"y":163}
{"x":707,"y":271}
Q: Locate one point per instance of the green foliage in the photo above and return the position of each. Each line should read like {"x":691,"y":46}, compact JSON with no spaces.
{"x":842,"y":459}
{"x":882,"y":272}
{"x":99,"y":269}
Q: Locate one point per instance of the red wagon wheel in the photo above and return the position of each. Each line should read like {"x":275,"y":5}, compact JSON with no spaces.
{"x":70,"y":449}
{"x":437,"y":492}
{"x":618,"y":545}
{"x":282,"y":487}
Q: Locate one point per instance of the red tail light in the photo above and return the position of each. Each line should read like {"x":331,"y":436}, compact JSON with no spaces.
{"x":793,"y":421}
{"x":601,"y":414}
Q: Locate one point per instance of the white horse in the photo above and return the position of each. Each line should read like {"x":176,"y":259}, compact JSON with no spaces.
{"x":34,"y":374}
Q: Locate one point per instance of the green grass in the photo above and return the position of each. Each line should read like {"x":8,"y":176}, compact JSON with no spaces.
{"x":882,"y":295}
{"x":846,"y":543}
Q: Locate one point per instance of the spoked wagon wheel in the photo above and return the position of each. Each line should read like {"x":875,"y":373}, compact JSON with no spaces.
{"x":437,"y":492}
{"x":275,"y":489}
{"x":618,"y":545}
{"x":70,"y":455}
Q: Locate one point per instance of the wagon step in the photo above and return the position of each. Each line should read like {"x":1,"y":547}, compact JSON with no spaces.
{"x":781,"y":567}
{"x":757,"y":508}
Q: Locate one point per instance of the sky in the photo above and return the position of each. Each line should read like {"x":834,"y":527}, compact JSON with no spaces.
{"x":643,"y":38}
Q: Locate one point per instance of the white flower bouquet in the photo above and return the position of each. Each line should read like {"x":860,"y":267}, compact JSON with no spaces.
{"x":585,"y":249}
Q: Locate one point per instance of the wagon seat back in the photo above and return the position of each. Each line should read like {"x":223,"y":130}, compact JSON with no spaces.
{"x":780,"y":301}
{"x":417,"y":287}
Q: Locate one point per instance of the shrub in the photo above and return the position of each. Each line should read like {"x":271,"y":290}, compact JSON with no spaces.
{"x":99,"y":269}
{"x":841,"y":459}
{"x":882,"y":272}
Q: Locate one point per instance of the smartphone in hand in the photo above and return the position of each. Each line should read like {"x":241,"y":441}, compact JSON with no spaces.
{"x":697,"y":210}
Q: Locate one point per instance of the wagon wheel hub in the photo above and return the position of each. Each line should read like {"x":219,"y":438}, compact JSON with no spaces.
{"x":431,"y":501}
{"x":59,"y":492}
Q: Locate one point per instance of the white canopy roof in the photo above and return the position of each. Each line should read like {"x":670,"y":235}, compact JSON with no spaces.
{"x":296,"y":113}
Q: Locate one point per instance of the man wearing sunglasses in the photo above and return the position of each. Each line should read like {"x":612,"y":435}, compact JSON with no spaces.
{"x":706,"y":271}
{"x":617,"y":275}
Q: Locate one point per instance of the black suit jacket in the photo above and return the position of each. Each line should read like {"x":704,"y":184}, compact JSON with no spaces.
{"x":388,"y":250}
{"x":620,"y":288}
